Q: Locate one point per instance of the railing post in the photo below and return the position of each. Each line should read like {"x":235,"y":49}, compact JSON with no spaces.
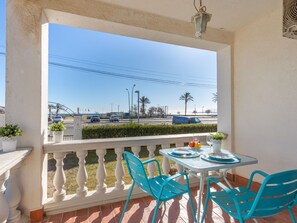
{"x":59,"y":178}
{"x":179,"y":167}
{"x":136,"y":150}
{"x":165,"y":162}
{"x":82,"y":174}
{"x":101,"y":171}
{"x":4,"y":210}
{"x":151,"y":166}
{"x":119,"y":171}
{"x":13,"y":195}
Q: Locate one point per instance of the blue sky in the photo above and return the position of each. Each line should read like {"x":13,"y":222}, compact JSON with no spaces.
{"x":92,"y":70}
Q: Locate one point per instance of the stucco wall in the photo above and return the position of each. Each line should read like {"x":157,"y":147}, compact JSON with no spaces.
{"x":265,"y":95}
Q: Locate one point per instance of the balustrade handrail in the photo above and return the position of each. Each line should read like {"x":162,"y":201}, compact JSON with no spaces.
{"x":93,"y":144}
{"x":9,"y":160}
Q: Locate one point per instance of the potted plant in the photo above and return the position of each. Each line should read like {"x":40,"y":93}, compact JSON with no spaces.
{"x":217,"y":141}
{"x":8,"y":134}
{"x":58,"y":131}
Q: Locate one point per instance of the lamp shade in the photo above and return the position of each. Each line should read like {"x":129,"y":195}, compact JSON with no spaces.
{"x":200,"y":20}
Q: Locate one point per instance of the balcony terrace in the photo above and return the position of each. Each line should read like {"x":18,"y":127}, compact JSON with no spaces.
{"x":256,"y":75}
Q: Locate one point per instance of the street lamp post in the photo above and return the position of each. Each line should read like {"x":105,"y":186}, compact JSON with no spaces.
{"x":128,"y":101}
{"x":137,"y":92}
{"x":132,"y":100}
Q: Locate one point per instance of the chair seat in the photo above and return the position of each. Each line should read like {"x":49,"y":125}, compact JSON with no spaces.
{"x":244,"y":196}
{"x":171,"y":190}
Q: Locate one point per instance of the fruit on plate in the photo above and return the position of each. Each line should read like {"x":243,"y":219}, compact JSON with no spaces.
{"x":198,"y":145}
{"x":192,"y":144}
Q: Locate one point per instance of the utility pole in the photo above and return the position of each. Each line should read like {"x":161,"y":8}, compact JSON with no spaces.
{"x":128,"y":102}
{"x":137,"y":92}
{"x":132,"y":101}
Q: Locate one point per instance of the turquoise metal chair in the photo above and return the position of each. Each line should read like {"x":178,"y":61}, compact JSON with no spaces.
{"x":161,"y":187}
{"x":278,"y":192}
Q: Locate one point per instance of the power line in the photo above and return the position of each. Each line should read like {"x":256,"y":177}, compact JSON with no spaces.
{"x":129,"y":76}
{"x":121,"y":75}
{"x":126,"y":68}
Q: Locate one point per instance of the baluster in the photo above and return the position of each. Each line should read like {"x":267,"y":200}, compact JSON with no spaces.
{"x":119,"y":171}
{"x":151,"y":166}
{"x":4,"y":210}
{"x":59,"y":178}
{"x":136,"y":150}
{"x":165,"y":162}
{"x":101,"y":171}
{"x":179,"y":167}
{"x":82,"y":175}
{"x":13,"y":195}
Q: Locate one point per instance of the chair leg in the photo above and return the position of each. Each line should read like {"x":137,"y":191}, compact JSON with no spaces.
{"x":156,"y":210}
{"x":292,"y":215}
{"x":192,"y":207}
{"x":126,"y":204}
{"x":205,"y":207}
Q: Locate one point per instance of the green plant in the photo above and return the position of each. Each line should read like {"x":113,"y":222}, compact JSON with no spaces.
{"x":130,"y":130}
{"x":10,"y":131}
{"x":218,"y":136}
{"x":55,"y":127}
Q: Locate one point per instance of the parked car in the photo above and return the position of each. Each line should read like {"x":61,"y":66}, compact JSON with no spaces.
{"x":57,"y":119}
{"x":95,"y":118}
{"x":114,"y":118}
{"x":185,"y":120}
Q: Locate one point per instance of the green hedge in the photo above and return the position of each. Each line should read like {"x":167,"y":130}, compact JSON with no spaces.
{"x":130,"y":130}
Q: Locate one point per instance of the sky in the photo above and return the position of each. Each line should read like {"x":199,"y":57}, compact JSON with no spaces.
{"x":92,"y":70}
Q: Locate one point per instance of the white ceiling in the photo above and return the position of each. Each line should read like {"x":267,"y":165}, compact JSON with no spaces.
{"x":227,"y":14}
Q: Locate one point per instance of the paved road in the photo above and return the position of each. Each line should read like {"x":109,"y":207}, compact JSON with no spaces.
{"x":152,"y":121}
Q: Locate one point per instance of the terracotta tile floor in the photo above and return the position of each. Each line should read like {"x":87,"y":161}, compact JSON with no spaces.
{"x":141,"y":211}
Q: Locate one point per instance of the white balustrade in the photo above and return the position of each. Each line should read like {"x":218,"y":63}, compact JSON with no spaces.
{"x":165,"y":163}
{"x":119,"y":171}
{"x":101,"y":172}
{"x":136,"y":150}
{"x":82,"y":174}
{"x":151,"y":166}
{"x":103,"y":194}
{"x":10,"y":195}
{"x":59,"y":178}
{"x":13,"y":195}
{"x":4,"y":210}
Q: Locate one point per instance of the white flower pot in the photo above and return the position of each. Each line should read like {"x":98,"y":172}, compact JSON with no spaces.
{"x":58,"y":136}
{"x":216,"y":145}
{"x":9,"y":144}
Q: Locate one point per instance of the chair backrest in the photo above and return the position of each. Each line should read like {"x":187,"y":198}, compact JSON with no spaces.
{"x":137,"y":172}
{"x":277,"y":193}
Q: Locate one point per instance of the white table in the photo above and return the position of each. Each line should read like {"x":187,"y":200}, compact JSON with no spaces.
{"x":198,"y":165}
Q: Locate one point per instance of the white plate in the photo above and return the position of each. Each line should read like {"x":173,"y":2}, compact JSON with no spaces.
{"x":229,"y":161}
{"x":221,"y":156}
{"x":182,"y":152}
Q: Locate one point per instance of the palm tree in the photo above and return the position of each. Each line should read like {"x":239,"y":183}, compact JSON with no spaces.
{"x":143,"y":101}
{"x":186,"y":97}
{"x":215,"y":97}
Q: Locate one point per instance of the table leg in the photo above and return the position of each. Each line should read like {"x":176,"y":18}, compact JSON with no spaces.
{"x":202,"y":178}
{"x":225,"y":178}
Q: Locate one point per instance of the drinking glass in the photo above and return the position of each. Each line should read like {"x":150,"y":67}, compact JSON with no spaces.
{"x":209,"y":141}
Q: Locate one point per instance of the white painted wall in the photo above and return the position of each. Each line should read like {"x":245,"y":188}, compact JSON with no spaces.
{"x":265,"y":95}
